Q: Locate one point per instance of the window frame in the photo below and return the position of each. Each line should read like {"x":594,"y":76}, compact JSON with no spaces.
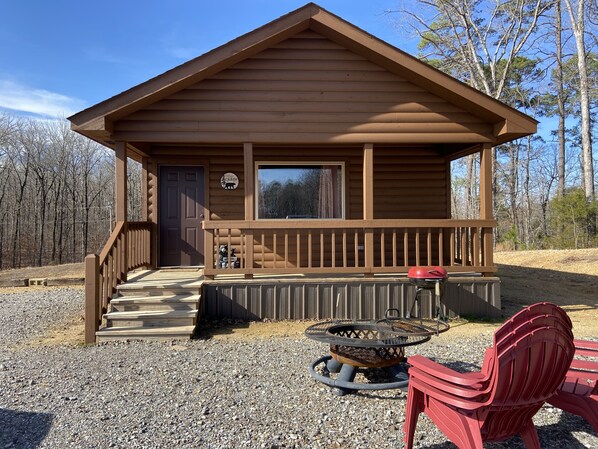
{"x":293,"y":163}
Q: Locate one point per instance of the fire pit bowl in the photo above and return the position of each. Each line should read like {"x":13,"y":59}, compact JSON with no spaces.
{"x":361,"y":345}
{"x":366,"y":344}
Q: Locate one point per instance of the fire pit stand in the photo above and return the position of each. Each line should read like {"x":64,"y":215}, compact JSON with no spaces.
{"x":361,"y":346}
{"x":364,"y":345}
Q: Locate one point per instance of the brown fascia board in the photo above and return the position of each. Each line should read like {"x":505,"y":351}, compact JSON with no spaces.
{"x":424,"y":75}
{"x":195,"y":70}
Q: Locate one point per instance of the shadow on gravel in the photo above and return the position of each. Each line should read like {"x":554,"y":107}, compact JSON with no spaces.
{"x":552,"y":436}
{"x":23,"y":430}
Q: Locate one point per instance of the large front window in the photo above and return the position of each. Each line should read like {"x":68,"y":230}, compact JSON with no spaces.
{"x":300,"y":190}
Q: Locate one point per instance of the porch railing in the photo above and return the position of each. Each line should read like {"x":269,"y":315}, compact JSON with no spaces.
{"x":348,"y":246}
{"x":127,"y":248}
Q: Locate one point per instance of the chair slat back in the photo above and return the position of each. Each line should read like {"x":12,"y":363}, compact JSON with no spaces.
{"x":531,"y":369}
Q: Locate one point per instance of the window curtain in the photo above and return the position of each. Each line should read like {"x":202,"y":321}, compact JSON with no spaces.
{"x":329,"y":192}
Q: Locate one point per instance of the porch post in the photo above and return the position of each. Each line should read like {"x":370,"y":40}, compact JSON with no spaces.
{"x":144,"y":181}
{"x":121,"y":199}
{"x":249,"y":204}
{"x":152,"y":203}
{"x":121,"y":181}
{"x":147,"y":242}
{"x":486,"y":212}
{"x":368,"y":205}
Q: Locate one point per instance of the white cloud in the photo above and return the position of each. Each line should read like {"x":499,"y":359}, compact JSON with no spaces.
{"x":182,"y":52}
{"x":25,"y":99}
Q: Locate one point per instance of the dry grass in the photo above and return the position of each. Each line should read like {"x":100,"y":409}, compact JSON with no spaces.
{"x":65,"y":271}
{"x":566,"y":277}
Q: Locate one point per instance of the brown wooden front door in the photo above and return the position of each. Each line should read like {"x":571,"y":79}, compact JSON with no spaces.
{"x":181,"y":213}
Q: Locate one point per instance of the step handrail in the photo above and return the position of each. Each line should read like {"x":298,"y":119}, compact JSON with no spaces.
{"x":127,"y":248}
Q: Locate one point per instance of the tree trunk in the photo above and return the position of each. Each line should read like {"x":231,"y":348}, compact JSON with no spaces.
{"x":578,"y":27}
{"x":560,"y":97}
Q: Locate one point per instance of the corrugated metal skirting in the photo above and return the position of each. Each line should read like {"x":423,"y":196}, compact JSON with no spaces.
{"x":298,"y":299}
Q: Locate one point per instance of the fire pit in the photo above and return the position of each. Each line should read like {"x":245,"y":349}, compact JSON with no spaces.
{"x":358,"y":346}
{"x":365,"y":345}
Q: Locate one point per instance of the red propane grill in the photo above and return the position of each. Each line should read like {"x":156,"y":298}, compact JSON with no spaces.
{"x":428,"y":278}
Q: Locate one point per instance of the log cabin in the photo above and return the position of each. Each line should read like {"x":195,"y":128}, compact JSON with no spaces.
{"x":296,"y":172}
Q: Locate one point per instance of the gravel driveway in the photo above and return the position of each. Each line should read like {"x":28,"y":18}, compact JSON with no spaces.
{"x":204,"y":394}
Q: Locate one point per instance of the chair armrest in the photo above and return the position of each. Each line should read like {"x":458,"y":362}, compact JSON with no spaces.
{"x":437,"y":370}
{"x":458,"y":391}
{"x":445,"y":397}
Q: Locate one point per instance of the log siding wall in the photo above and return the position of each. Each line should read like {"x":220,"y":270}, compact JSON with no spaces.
{"x":401,"y":185}
{"x":306,"y":89}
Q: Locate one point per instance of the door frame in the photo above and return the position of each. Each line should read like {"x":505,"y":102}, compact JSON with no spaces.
{"x":171,"y":162}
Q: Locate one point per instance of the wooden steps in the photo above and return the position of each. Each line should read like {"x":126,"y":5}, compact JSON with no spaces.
{"x":145,"y":333}
{"x":148,"y":309}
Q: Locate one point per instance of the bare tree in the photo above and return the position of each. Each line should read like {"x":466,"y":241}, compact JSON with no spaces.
{"x":577,"y":17}
{"x":478,"y":42}
{"x":560,"y":95}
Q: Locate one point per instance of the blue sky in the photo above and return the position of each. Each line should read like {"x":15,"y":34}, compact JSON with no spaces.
{"x":60,"y":56}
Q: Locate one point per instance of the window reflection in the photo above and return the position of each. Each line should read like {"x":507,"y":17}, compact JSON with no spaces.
{"x":300,"y":191}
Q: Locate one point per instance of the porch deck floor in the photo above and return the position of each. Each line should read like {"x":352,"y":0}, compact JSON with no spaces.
{"x":194,"y":277}
{"x":190,"y":278}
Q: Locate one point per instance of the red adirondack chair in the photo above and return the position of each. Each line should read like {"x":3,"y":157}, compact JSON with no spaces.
{"x":536,"y":315}
{"x":529,"y":360}
{"x":579,"y":392}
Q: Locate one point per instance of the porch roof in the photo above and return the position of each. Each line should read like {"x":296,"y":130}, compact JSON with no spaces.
{"x":507,"y":123}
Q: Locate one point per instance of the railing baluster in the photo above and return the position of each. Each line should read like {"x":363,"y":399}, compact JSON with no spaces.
{"x":382,"y":250}
{"x":333,"y":252}
{"x":298,"y":248}
{"x":452,"y":255}
{"x":286,"y":248}
{"x":356,"y":245}
{"x":417,"y":247}
{"x":217,"y":247}
{"x":440,"y":247}
{"x":229,"y":247}
{"x":475,"y":240}
{"x":429,"y":241}
{"x":321,"y":248}
{"x":309,"y":248}
{"x":344,"y":248}
{"x":274,"y":251}
{"x":263,"y":250}
{"x":394,"y":247}
{"x":405,"y":247}
{"x":464,"y":253}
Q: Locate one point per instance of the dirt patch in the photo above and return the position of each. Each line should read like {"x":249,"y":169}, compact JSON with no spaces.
{"x":254,"y":330}
{"x":69,"y":333}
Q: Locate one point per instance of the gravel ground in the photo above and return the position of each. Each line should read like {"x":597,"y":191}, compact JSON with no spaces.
{"x":204,"y":393}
